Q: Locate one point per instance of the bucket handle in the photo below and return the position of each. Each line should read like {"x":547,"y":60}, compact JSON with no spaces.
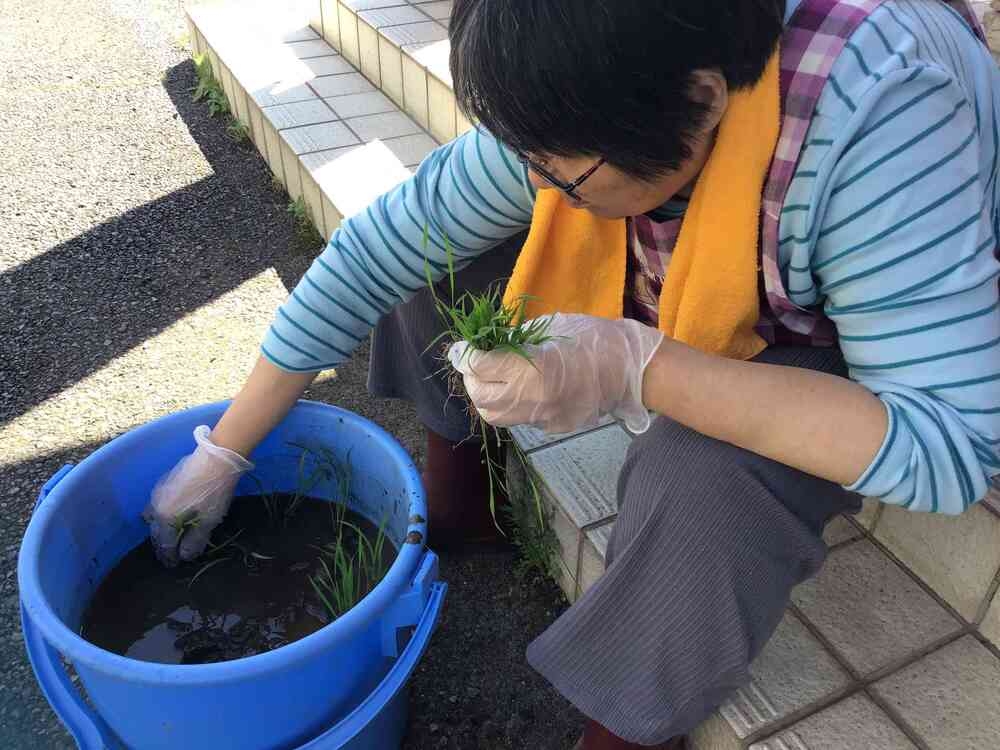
{"x":356,"y":721}
{"x":87,"y":728}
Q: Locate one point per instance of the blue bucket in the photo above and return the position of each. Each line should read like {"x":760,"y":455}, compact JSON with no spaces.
{"x":341,"y":687}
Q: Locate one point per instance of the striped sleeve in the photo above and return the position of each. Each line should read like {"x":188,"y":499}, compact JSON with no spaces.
{"x":472,"y":191}
{"x":902,"y":257}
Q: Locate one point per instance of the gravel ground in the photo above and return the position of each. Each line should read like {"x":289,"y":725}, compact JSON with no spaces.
{"x":142,"y":254}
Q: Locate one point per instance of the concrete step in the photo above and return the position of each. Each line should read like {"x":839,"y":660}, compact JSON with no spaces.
{"x":401,"y":46}
{"x":327,"y":133}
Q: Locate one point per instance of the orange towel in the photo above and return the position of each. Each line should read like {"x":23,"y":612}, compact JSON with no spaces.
{"x":574,"y":262}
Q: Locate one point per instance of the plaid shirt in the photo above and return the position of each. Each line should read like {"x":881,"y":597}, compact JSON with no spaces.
{"x":816,"y":35}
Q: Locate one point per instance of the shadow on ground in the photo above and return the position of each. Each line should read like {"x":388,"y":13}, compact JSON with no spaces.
{"x":126,"y":280}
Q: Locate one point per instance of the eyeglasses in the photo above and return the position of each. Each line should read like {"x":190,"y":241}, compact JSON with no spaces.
{"x":569,"y":188}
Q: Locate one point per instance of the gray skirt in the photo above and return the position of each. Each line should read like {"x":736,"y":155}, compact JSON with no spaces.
{"x":709,"y":542}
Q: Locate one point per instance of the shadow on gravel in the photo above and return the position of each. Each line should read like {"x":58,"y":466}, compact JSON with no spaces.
{"x":84,"y":302}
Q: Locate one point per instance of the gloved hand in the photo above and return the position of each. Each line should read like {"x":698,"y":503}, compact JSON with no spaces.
{"x":591,"y":367}
{"x":192,"y":499}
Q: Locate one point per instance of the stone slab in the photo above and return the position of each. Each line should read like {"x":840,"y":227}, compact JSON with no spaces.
{"x":870,"y":610}
{"x":582,"y":473}
{"x":791,"y":672}
{"x":854,"y":723}
{"x":957,"y":556}
{"x":840,"y":530}
{"x":531,"y":439}
{"x":951,"y":697}
{"x":593,"y":554}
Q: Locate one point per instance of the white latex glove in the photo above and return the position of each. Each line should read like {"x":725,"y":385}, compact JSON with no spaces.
{"x":192,"y":499}
{"x":591,"y":367}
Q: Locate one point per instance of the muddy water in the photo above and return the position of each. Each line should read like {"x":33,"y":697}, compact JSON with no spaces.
{"x":247,"y":596}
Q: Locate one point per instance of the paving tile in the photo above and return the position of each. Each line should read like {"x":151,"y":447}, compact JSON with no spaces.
{"x":531,"y":439}
{"x":382,"y":126}
{"x":360,"y":5}
{"x":277,"y":93}
{"x":791,"y":672}
{"x":951,"y":697}
{"x":315,"y":21}
{"x":566,"y":581}
{"x":411,"y":149}
{"x":290,"y":164}
{"x":348,"y":83}
{"x":391,"y":65}
{"x":355,"y":176}
{"x":239,"y":103}
{"x":331,"y":22}
{"x":854,"y":723}
{"x":440,"y":10}
{"x":871,"y":610}
{"x":421,"y":33}
{"x":331,"y":217}
{"x":305,"y":33}
{"x":434,"y":57}
{"x":869,"y":511}
{"x":330,"y":65}
{"x":368,"y":53}
{"x":257,"y":128}
{"x":312,"y":48}
{"x":415,"y":90}
{"x":314,"y":201}
{"x":297,"y":114}
{"x":582,"y":473}
{"x":990,"y":626}
{"x":840,"y":530}
{"x":358,"y":105}
{"x":273,"y":153}
{"x":957,"y":556}
{"x":349,"y":36}
{"x":593,"y":554}
{"x":716,"y":734}
{"x":441,"y":100}
{"x":392,"y":16}
{"x":568,"y":537}
{"x":225,"y":77}
{"x":318,"y":137}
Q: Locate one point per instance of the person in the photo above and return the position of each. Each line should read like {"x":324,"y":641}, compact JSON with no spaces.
{"x":771,"y":223}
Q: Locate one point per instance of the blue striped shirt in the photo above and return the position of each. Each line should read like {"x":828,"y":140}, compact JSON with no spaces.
{"x":891,"y":224}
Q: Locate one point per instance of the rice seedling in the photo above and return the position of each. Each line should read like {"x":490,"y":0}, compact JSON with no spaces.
{"x":344,"y":579}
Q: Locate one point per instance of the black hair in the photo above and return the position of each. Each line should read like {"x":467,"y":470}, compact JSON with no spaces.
{"x":604,"y":78}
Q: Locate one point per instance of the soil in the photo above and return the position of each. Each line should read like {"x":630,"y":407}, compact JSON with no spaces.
{"x":248,"y":594}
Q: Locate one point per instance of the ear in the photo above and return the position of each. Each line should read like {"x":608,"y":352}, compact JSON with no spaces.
{"x":708,"y":86}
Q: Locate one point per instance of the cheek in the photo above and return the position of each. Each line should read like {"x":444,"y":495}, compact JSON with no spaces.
{"x":537,"y":181}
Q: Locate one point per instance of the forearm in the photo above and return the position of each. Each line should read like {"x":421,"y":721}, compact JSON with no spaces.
{"x":822,"y":424}
{"x":263,"y":402}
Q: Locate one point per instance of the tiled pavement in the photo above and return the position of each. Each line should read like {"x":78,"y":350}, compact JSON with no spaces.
{"x":893,"y":645}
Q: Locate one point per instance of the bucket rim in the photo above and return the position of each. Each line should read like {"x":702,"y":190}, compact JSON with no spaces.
{"x":80,"y":651}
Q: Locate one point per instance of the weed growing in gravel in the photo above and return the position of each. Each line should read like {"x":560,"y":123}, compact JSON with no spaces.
{"x":209,"y":89}
{"x":534,"y":536}
{"x":239,"y":131}
{"x":305,"y":228}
